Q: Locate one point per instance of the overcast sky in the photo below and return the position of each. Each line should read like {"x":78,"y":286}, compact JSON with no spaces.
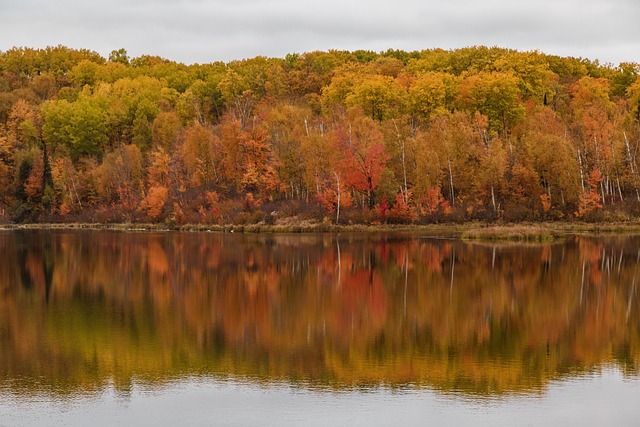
{"x":203,"y":31}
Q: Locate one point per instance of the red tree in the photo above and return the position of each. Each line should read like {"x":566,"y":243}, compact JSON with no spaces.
{"x":363,"y":159}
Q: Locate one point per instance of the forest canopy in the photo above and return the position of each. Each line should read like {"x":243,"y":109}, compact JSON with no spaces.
{"x":364,"y":137}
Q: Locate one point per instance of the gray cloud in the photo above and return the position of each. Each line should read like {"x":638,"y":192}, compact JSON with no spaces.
{"x":204,"y":31}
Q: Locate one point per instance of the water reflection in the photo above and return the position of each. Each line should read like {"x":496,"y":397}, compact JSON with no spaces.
{"x":81,"y":311}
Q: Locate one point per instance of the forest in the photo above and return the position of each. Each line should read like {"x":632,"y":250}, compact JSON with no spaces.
{"x":338,"y":137}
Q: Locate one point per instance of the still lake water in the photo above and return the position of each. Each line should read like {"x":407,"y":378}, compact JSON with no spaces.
{"x":104,"y":328}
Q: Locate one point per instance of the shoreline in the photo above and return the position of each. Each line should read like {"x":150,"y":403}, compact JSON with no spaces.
{"x":540,"y":232}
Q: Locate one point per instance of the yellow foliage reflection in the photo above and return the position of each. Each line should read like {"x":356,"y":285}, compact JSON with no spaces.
{"x":80,"y":310}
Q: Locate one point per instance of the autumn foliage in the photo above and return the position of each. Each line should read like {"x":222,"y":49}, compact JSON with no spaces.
{"x":590,"y":199}
{"x":432,"y":135}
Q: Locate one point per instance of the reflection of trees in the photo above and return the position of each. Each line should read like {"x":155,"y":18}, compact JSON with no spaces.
{"x":80,"y":309}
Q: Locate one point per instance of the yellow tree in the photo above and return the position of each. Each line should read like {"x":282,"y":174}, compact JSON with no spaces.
{"x":287,"y":127}
{"x":380,"y":97}
{"x":459,"y":154}
{"x":319,"y":157}
{"x":495,"y":95}
{"x":119,"y":179}
{"x":66,"y":185}
{"x":595,"y":132}
{"x":200,"y":154}
{"x":546,"y":144}
{"x":165,"y":129}
{"x":21,"y":126}
{"x":238,"y":97}
{"x":536,"y":80}
{"x":431,"y":94}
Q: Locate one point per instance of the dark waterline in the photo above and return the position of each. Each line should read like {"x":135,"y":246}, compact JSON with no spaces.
{"x":324,"y":329}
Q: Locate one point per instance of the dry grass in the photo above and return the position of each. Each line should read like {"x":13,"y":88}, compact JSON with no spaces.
{"x":529,"y":232}
{"x":522,"y":233}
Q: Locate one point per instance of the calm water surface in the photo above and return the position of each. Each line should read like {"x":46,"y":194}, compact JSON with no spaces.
{"x":108,"y":328}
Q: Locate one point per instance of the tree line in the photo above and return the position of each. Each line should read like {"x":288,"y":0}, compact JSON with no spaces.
{"x":364,"y":137}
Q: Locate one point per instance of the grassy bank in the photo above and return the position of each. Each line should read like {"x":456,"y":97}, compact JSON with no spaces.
{"x":305,"y":227}
{"x":525,"y":232}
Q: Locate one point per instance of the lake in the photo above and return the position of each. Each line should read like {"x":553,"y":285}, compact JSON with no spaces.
{"x":106,"y":327}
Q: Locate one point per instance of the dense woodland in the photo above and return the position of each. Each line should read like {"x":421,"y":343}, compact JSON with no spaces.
{"x":341,"y":137}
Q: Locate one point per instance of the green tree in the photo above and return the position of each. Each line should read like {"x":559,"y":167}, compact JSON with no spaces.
{"x":79,"y":128}
{"x":495,"y":95}
{"x":120,"y":56}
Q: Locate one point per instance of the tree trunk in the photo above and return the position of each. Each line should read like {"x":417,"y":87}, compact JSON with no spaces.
{"x":338,"y":198}
{"x":453,"y":199}
{"x":581,"y":170}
